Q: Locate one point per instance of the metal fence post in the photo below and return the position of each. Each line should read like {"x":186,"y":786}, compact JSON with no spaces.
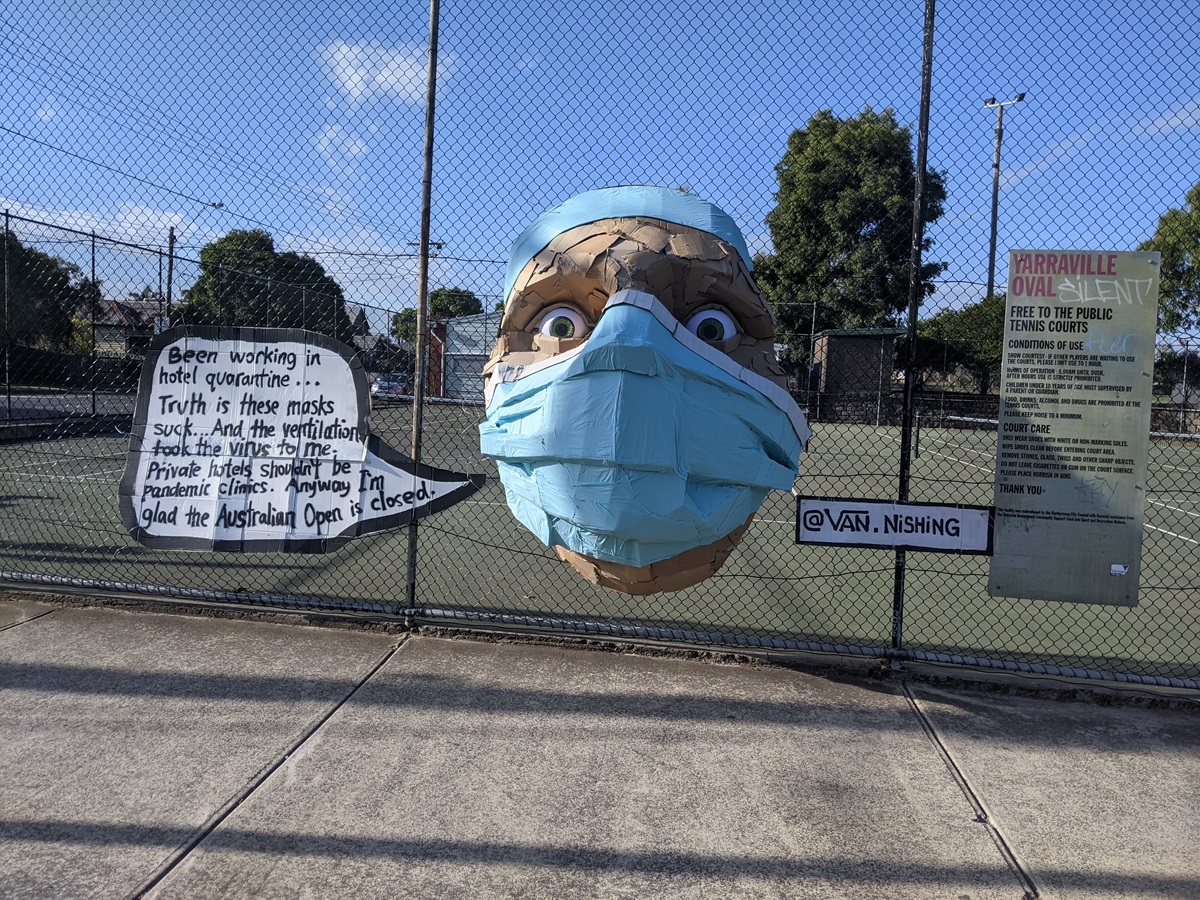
{"x":422,"y":291}
{"x":94,"y":303}
{"x":914,"y":300}
{"x":170,"y":264}
{"x":7,"y":329}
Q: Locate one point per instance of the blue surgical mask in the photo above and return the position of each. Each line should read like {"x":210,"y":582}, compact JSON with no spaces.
{"x":641,"y":443}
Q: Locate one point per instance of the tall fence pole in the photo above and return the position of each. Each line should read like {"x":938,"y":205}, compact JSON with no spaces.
{"x":95,"y":302}
{"x":915,"y":288}
{"x":418,"y":420}
{"x":7,"y":329}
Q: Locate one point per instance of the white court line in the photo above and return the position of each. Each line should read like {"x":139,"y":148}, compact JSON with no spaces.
{"x":1191,"y":470}
{"x":964,"y":462}
{"x":967,"y":449}
{"x":1186,"y":512}
{"x":1171,"y":533}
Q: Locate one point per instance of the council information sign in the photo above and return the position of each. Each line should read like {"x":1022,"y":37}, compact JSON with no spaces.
{"x":1074,"y":425}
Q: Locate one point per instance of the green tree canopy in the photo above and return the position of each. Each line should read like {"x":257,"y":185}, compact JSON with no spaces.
{"x":1177,"y":238}
{"x":444,"y":303}
{"x":43,"y":293}
{"x":1177,"y":368}
{"x":245,"y":281}
{"x":842,"y":229}
{"x":452,"y":302}
{"x":971,"y":337}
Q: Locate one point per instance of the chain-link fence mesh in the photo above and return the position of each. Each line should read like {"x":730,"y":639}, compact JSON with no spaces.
{"x":263,"y":167}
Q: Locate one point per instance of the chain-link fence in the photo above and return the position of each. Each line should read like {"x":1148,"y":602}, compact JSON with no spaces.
{"x":266,"y":167}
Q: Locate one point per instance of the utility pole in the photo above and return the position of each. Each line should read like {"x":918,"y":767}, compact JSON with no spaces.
{"x":170,"y":264}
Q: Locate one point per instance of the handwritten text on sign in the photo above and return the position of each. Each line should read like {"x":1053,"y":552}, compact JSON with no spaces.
{"x":257,"y":439}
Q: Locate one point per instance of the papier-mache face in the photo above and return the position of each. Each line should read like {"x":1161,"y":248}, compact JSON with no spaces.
{"x":635,"y":408}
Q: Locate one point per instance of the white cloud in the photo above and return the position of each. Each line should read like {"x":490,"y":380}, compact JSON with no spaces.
{"x":339,"y":148}
{"x":1060,"y":152}
{"x":48,"y":112}
{"x":367,"y":70}
{"x":1184,"y":117}
{"x":338,"y":204}
{"x":66,"y":218}
{"x":151,"y":224}
{"x":120,"y":271}
{"x":385,"y":282}
{"x":1181,"y":119}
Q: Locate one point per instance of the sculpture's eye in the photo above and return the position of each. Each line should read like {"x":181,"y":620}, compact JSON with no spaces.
{"x":562,"y":322}
{"x":713,"y":326}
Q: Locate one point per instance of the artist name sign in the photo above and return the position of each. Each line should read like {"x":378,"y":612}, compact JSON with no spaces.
{"x":900,"y":526}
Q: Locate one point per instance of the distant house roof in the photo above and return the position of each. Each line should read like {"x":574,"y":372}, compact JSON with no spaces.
{"x":368,"y":342}
{"x":128,"y":313}
{"x":359,"y":324}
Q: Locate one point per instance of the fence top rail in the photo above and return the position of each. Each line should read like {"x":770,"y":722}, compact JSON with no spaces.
{"x":88,"y":234}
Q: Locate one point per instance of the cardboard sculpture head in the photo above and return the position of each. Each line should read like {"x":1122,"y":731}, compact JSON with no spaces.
{"x":636,"y":410}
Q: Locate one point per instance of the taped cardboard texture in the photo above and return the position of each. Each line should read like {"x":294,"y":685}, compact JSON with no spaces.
{"x":687,"y":270}
{"x":672,"y":574}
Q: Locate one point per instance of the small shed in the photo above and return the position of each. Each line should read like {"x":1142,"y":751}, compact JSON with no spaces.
{"x":458,"y":351}
{"x":852,"y":360}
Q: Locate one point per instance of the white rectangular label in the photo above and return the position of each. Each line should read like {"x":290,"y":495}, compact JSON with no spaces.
{"x":901,"y":526}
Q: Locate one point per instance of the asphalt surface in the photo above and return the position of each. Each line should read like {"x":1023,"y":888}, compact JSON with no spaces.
{"x":148,"y":754}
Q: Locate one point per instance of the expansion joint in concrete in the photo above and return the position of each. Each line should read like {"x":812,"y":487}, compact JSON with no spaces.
{"x":976,"y":802}
{"x":213,"y":822}
{"x":25,"y":621}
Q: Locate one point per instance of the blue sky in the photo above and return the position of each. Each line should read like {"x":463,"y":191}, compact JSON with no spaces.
{"x":307,"y":119}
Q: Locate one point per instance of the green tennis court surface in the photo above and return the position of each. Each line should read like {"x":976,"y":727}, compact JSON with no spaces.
{"x":60,"y":518}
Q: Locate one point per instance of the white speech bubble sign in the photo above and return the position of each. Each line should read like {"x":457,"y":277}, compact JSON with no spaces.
{"x":256,"y":440}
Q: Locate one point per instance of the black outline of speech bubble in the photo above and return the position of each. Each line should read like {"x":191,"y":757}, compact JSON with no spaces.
{"x":373,"y":444}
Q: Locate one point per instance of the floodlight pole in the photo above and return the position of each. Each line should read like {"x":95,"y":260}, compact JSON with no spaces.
{"x":990,"y":103}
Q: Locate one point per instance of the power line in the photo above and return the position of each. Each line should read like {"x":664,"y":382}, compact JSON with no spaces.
{"x":151,"y":122}
{"x":213,"y":204}
{"x":108,"y":168}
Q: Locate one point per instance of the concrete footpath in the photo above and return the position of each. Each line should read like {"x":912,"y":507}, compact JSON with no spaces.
{"x":149,"y":754}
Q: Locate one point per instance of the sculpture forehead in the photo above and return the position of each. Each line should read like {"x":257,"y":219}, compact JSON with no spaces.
{"x":684,"y":267}
{"x":625,"y":202}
